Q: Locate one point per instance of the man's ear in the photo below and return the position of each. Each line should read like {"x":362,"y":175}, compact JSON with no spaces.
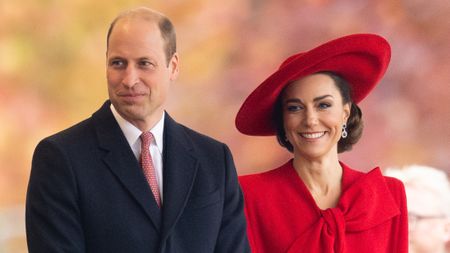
{"x":174,"y":67}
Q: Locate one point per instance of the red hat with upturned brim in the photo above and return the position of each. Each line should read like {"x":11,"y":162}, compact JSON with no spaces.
{"x":361,"y":59}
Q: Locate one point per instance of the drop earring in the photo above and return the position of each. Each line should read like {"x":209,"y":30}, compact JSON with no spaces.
{"x":344,"y":133}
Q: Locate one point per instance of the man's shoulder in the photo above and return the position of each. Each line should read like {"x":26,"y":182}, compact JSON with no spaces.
{"x":208,"y":150}
{"x":203,"y":143}
{"x":195,"y":137}
{"x":82,"y":130}
{"x":73,"y":133}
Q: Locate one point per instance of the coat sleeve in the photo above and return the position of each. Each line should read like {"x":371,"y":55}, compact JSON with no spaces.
{"x":251,"y":237}
{"x":400,"y":225}
{"x":52,"y":212}
{"x":232,"y":236}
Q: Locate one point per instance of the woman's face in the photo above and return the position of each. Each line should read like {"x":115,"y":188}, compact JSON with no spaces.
{"x":313,"y":115}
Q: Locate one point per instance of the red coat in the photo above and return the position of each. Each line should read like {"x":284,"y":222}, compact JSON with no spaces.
{"x":282,"y":216}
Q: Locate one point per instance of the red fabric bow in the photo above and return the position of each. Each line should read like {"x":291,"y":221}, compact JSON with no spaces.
{"x":363,"y":205}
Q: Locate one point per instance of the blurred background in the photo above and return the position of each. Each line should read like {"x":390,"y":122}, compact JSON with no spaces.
{"x":52,"y":75}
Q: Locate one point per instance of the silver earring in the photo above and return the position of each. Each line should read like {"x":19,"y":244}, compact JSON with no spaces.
{"x":344,"y":133}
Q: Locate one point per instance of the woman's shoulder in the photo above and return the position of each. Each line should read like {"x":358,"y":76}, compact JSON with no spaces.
{"x":374,"y":178}
{"x":259,"y":178}
{"x":355,"y":174}
{"x":266,"y":179}
{"x":396,"y":187}
{"x":393,"y":182}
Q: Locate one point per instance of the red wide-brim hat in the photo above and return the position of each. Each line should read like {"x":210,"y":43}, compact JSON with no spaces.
{"x":361,"y":59}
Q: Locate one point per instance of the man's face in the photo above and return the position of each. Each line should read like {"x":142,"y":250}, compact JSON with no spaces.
{"x":137,"y":71}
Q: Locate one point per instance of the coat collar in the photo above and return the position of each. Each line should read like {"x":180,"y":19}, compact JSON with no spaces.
{"x":179,"y":169}
{"x":119,"y":158}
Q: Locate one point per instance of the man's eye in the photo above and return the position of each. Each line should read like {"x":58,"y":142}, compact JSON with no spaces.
{"x":147,"y":64}
{"x":117,"y":63}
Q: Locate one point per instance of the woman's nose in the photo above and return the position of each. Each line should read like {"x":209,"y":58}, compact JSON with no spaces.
{"x":310,"y":117}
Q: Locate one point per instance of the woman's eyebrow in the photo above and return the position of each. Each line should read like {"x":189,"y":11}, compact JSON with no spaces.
{"x":293,"y":100}
{"x":297,"y":100}
{"x":321,"y":97}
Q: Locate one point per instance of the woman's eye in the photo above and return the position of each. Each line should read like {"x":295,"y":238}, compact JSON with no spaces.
{"x":324,"y":105}
{"x":293,"y":108}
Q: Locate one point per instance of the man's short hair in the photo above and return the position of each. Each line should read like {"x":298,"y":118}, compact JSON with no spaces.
{"x":164,"y":24}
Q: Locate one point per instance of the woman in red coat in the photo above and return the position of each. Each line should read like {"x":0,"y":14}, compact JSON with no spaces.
{"x":314,"y":202}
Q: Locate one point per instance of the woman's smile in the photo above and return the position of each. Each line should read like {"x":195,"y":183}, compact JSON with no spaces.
{"x":312,"y":135}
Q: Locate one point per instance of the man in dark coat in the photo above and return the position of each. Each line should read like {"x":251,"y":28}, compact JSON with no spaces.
{"x":96,"y":187}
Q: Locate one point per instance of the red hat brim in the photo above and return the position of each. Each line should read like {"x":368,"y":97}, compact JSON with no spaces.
{"x":361,"y":59}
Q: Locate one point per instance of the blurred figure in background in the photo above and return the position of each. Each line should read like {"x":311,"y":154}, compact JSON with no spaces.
{"x":428,"y":200}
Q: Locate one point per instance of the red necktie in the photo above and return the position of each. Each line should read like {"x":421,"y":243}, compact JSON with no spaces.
{"x":147,"y":165}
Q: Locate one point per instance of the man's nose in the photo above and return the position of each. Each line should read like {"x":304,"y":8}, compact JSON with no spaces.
{"x":131,"y":77}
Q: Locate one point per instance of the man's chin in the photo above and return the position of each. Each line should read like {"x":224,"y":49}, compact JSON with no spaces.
{"x":129,"y":111}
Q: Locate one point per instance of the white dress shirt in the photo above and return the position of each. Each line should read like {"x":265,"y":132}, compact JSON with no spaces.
{"x":132,"y":134}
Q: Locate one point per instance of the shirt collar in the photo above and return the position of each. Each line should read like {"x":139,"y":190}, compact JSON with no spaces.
{"x":132,"y":133}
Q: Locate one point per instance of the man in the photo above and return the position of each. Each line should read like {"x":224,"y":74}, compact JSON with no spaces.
{"x":428,"y":194}
{"x":131,"y":179}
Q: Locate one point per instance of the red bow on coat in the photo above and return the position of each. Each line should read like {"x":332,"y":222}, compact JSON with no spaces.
{"x":363,"y":205}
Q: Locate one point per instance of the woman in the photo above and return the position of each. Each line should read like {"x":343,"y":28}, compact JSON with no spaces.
{"x":314,"y":202}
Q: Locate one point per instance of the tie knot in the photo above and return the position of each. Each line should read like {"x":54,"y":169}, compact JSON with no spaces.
{"x":146,"y":138}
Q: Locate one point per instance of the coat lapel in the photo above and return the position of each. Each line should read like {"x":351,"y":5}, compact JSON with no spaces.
{"x":120,"y":160}
{"x":180,"y":169}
